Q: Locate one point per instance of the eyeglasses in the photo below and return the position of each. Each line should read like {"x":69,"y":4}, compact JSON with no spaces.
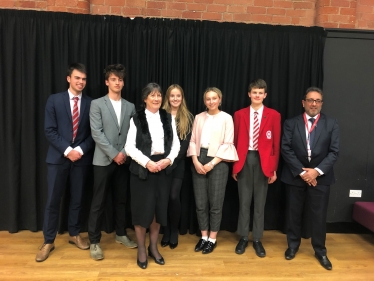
{"x":311,"y":101}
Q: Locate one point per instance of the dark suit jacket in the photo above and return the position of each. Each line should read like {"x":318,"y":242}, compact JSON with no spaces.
{"x":58,"y":128}
{"x":325,"y":150}
{"x":268,"y":139}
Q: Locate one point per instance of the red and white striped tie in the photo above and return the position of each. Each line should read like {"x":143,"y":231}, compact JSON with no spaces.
{"x":75,"y":117}
{"x":256,"y":130}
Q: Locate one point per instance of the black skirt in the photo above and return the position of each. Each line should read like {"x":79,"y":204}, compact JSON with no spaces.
{"x":150,"y":197}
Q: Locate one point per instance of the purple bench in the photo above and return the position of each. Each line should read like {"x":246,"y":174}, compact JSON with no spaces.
{"x":363,"y":213}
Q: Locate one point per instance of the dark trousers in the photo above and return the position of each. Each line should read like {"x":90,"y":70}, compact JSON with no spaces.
{"x":252,"y":182}
{"x":315,"y":199}
{"x":209,"y":193}
{"x":58,"y":177}
{"x":105,"y":177}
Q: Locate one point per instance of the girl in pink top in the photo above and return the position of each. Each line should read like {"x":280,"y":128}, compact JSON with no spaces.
{"x":211,"y":147}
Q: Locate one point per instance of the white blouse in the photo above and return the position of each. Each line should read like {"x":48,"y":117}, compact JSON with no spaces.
{"x":207,"y":131}
{"x":157,"y":135}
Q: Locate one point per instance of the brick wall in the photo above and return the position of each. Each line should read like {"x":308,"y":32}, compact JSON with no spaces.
{"x":352,"y":14}
{"x":70,"y":6}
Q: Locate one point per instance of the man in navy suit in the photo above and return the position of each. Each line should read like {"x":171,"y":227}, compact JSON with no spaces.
{"x":69,"y":157}
{"x":310,"y":148}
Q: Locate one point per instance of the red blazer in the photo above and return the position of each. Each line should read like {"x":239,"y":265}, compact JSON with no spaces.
{"x":268,"y":139}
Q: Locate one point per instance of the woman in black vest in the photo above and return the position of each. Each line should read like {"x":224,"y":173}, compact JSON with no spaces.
{"x":175,"y":104}
{"x":152,"y":143}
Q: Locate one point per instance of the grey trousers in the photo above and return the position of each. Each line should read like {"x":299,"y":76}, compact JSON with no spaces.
{"x":252,"y":182}
{"x":209,"y":193}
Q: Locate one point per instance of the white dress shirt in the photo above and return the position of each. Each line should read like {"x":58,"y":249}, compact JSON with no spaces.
{"x":157,"y":135}
{"x":251,"y":122}
{"x":71,"y":98}
{"x":307,"y":137}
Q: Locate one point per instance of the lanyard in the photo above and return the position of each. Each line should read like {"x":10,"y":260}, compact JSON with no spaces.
{"x":309,"y":130}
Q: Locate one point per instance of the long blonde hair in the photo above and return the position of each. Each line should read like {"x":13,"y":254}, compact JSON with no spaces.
{"x":184,"y":118}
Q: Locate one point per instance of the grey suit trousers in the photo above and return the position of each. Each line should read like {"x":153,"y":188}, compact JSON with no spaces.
{"x":209,"y":193}
{"x":252,"y":182}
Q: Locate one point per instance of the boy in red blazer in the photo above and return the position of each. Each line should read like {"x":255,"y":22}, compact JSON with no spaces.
{"x":257,"y":132}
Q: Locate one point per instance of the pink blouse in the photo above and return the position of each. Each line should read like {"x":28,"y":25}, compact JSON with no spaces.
{"x":221,"y":142}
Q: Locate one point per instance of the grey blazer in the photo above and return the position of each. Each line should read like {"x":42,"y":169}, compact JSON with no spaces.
{"x":110,"y":138}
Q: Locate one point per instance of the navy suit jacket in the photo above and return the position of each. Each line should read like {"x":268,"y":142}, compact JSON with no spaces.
{"x":325,"y":150}
{"x":58,"y":128}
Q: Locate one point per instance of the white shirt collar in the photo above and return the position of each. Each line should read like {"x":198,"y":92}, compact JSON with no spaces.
{"x":71,"y":96}
{"x":259,"y":111}
{"x":308,"y":117}
{"x":151,"y":114}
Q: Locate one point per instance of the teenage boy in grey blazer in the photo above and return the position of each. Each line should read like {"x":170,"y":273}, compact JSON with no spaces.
{"x":110,"y":118}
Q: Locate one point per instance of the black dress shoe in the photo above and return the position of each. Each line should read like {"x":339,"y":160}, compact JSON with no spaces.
{"x":260,"y":251}
{"x":324,"y":261}
{"x":173,"y":245}
{"x":209,"y":247}
{"x":290,"y":253}
{"x":142,"y":265}
{"x":240,"y":248}
{"x":159,"y":261}
{"x":200,"y":245}
{"x":164,"y":243}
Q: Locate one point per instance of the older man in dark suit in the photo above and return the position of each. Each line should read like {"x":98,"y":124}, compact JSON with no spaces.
{"x":110,"y":120}
{"x":310,"y":148}
{"x":69,"y":157}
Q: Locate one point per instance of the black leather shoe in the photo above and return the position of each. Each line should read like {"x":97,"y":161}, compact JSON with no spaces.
{"x":240,"y":248}
{"x":324,"y":261}
{"x":260,"y":251}
{"x":200,"y":245}
{"x":164,"y":243}
{"x":159,"y":261}
{"x":290,"y":253}
{"x":209,"y":247}
{"x":142,"y":265}
{"x":173,"y":245}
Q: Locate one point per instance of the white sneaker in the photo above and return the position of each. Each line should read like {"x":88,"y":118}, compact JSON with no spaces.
{"x":125,"y":240}
{"x":95,"y":252}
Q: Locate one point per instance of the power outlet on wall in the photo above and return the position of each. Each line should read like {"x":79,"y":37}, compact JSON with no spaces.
{"x":355,"y":193}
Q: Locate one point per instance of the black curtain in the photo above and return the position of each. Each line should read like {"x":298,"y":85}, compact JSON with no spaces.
{"x":36,"y":48}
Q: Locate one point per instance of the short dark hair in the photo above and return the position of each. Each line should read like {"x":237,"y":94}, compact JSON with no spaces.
{"x":313,"y":89}
{"x":116,"y":69}
{"x":76,"y":66}
{"x":258,"y":84}
{"x":150,"y":88}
